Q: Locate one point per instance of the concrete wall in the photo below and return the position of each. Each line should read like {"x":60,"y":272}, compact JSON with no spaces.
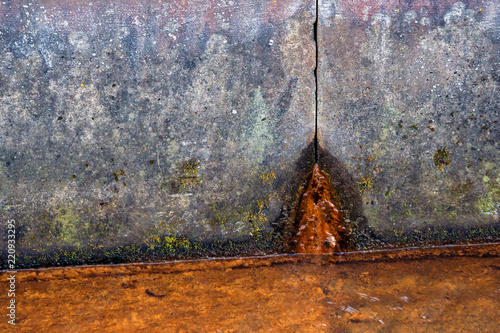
{"x":126,"y":121}
{"x":409,"y":102}
{"x":177,"y":124}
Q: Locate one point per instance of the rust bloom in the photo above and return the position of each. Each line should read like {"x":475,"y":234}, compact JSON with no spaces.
{"x":319,"y":219}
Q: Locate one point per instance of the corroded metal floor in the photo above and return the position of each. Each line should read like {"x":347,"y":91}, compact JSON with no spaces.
{"x":396,"y":290}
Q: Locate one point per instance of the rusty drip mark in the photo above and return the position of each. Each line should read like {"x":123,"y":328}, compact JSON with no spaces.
{"x":319,"y":218}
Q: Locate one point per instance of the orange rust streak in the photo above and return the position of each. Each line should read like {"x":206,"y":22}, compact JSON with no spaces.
{"x":319,"y":226}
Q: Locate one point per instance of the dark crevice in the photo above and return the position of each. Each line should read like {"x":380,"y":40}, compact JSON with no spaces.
{"x":316,"y":23}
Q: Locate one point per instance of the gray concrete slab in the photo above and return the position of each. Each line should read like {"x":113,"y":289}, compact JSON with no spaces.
{"x":132,"y":122}
{"x":409,"y":103}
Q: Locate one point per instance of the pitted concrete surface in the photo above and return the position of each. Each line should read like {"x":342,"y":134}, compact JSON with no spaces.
{"x":127,"y":121}
{"x":409,"y":103}
{"x":161,"y":126}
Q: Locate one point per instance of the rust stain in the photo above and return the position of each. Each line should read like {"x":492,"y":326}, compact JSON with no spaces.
{"x":319,"y":218}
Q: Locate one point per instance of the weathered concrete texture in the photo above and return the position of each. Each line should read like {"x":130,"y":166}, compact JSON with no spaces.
{"x":409,"y":102}
{"x":125,"y":121}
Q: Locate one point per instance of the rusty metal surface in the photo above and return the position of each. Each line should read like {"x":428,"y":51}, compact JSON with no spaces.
{"x":293,"y":293}
{"x":383,"y":255}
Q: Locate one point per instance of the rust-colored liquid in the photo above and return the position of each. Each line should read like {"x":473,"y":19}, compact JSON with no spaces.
{"x":319,"y":219}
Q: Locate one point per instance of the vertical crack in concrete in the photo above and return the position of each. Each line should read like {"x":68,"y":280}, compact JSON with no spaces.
{"x":318,"y":220}
{"x":316,"y":29}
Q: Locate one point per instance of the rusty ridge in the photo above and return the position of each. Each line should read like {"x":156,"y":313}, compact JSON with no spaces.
{"x":319,"y":219}
{"x":178,"y":266}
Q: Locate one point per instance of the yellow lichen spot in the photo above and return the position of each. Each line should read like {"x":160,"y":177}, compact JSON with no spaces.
{"x":188,"y":174}
{"x":256,"y":220}
{"x":480,"y":9}
{"x":81,"y":85}
{"x":442,"y":158}
{"x":24,"y":29}
{"x":267,"y":178}
{"x":261,"y":205}
{"x":118,"y":173}
{"x":376,"y":93}
{"x":366,"y":182}
{"x":397,"y":10}
{"x":371,"y":158}
{"x":256,"y":217}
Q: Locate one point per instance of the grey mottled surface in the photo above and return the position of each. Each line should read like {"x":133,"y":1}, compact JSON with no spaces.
{"x":409,"y":102}
{"x":150,"y":123}
{"x":126,"y":121}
